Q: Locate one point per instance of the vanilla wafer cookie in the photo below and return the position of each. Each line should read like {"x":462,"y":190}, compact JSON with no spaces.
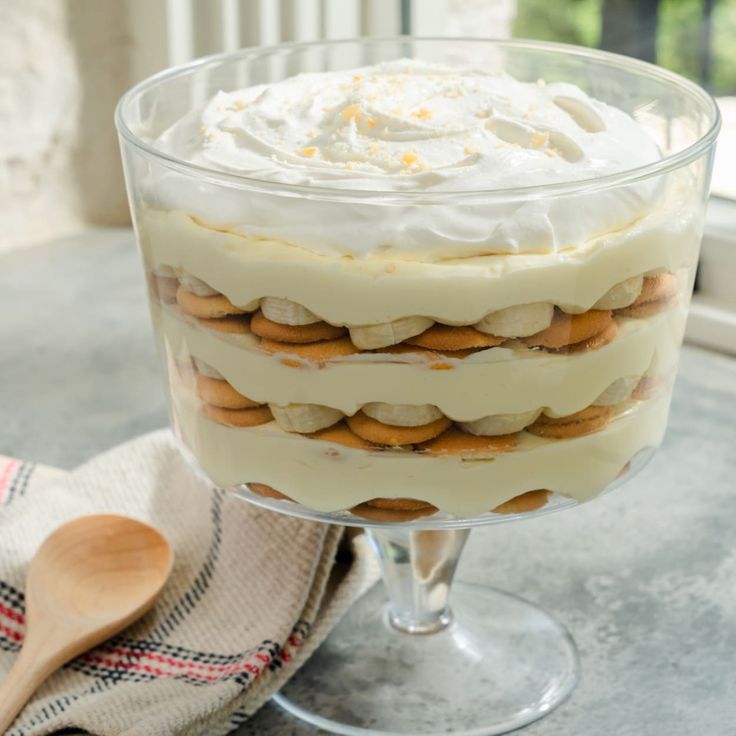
{"x":590,"y":419}
{"x":592,"y":343}
{"x":299,"y":334}
{"x":524,"y":503}
{"x":206,"y":307}
{"x":341,"y":434}
{"x":238,"y":417}
{"x":448,"y":338}
{"x":658,"y":294}
{"x":569,"y":329}
{"x":386,"y":434}
{"x":318,"y":352}
{"x":398,"y":504}
{"x":261,"y":489}
{"x":378,"y":513}
{"x":456,"y":442}
{"x":219,"y":392}
{"x":235,"y":325}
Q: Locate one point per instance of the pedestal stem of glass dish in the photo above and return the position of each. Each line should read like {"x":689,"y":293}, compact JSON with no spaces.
{"x":418,"y":568}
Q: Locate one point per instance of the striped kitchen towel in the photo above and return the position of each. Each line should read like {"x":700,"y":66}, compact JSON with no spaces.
{"x":252,"y":593}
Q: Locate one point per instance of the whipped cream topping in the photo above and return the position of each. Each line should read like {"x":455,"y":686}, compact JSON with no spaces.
{"x":409,"y":126}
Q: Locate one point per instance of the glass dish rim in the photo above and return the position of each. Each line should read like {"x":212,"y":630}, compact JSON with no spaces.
{"x":700,"y":96}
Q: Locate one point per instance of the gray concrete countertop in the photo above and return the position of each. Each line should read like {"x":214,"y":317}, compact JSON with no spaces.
{"x":645,"y":578}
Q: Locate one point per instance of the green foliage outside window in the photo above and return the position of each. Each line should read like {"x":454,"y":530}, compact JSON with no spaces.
{"x":678,"y":34}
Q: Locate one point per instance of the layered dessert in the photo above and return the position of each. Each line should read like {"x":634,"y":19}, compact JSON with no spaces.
{"x":417,"y":289}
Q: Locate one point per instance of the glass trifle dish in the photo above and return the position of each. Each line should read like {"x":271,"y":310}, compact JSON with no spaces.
{"x":418,"y":285}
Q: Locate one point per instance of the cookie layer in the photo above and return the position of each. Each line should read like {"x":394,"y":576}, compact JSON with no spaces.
{"x":446,"y":338}
{"x":374,"y":513}
{"x":341,"y":434}
{"x":658,"y":294}
{"x":300,"y":334}
{"x":260,"y":489}
{"x":592,"y":343}
{"x":314,"y":351}
{"x":220,"y":393}
{"x":569,"y":329}
{"x":237,"y":325}
{"x":580,"y":423}
{"x":207,"y":307}
{"x":524,"y":503}
{"x":385,"y":434}
{"x":238,"y":417}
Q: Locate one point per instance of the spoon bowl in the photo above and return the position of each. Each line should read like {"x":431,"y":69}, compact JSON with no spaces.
{"x":91,"y":578}
{"x":98,"y":566}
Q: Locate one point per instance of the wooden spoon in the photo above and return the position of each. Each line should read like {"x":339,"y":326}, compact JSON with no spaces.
{"x":90,"y":579}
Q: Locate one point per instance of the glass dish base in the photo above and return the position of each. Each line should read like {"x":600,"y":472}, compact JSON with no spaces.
{"x":498,"y":664}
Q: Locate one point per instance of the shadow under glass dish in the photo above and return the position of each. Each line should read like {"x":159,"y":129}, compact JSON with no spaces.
{"x":490,"y":662}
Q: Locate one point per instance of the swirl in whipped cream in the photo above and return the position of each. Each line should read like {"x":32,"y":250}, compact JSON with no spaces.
{"x":409,"y":126}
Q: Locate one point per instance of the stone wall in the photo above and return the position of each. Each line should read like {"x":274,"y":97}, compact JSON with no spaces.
{"x":64,"y":64}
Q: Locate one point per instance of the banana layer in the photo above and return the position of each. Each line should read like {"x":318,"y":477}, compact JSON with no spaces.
{"x":329,"y":477}
{"x":308,"y":418}
{"x":498,"y":381}
{"x":522,"y":320}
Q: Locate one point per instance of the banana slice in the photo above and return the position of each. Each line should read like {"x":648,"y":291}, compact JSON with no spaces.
{"x":370,"y":337}
{"x":571,"y":309}
{"x":207,"y":370}
{"x":497,"y":424}
{"x":618,"y":391}
{"x":402,"y":415}
{"x":305,"y":418}
{"x":622,"y":295}
{"x":518,"y":321}
{"x":165,"y":272}
{"x":286,"y":312}
{"x":193,"y":284}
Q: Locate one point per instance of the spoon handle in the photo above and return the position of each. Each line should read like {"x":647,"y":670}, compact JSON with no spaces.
{"x":28,"y":672}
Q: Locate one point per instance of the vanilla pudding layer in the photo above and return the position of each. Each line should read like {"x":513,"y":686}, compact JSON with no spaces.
{"x":501,"y":380}
{"x":327,"y":476}
{"x":377,"y":289}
